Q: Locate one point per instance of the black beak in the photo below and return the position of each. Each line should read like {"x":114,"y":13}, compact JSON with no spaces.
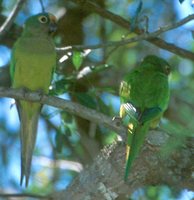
{"x":53,"y":23}
{"x":52,"y":27}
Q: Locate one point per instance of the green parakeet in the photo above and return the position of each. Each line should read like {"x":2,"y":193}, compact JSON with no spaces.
{"x":144,"y":95}
{"x":32,"y":65}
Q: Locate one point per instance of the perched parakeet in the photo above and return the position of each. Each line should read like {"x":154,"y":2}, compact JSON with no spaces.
{"x":32,"y":65}
{"x":144,"y":95}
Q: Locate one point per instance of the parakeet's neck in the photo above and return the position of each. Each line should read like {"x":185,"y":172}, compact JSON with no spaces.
{"x":35,"y":33}
{"x":150,"y":70}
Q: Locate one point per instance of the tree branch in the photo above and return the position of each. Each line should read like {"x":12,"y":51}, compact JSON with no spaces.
{"x":9,"y":21}
{"x":71,"y":107}
{"x":23,"y":195}
{"x":89,"y":5}
{"x":144,"y":36}
{"x":104,"y":178}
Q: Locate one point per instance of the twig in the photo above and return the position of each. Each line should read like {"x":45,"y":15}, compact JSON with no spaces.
{"x":24,"y":195}
{"x":42,"y":5}
{"x":144,"y":36}
{"x":89,"y":5}
{"x":9,"y":21}
{"x":71,"y":107}
{"x":62,"y":164}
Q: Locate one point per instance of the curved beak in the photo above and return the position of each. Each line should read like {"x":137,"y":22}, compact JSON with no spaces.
{"x":53,"y":23}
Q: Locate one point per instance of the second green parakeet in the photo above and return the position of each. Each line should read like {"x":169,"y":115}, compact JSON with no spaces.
{"x":144,"y":95}
{"x":32,"y":65}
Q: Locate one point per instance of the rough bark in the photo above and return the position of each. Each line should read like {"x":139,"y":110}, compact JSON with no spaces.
{"x":104,"y":178}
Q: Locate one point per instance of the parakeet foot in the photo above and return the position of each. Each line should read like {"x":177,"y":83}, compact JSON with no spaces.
{"x":24,"y":91}
{"x":40,"y":93}
{"x":117,"y":120}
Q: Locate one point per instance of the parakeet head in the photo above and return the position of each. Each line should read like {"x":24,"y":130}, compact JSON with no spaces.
{"x":157,"y":63}
{"x":43,"y":23}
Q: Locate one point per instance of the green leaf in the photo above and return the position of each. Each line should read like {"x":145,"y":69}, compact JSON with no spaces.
{"x":103,"y":107}
{"x":86,"y":99}
{"x":77,"y":59}
{"x":61,"y":86}
{"x":135,"y":18}
{"x":192,"y":32}
{"x":59,"y":138}
{"x":66,"y":117}
{"x":139,"y":8}
{"x":181,"y":1}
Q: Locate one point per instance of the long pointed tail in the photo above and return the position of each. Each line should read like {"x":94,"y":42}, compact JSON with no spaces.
{"x":135,"y":141}
{"x":29,"y":114}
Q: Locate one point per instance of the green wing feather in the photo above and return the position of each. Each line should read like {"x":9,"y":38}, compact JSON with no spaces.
{"x":12,"y":66}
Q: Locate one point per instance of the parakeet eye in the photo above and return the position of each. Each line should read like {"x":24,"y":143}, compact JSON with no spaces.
{"x":167,"y":69}
{"x":43,"y":19}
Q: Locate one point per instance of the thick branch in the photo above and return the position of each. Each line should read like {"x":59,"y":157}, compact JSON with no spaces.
{"x":9,"y":21}
{"x":71,"y":107}
{"x":104,"y":178}
{"x":89,"y":5}
{"x":23,"y":195}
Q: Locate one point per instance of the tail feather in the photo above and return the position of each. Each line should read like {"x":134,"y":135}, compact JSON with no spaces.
{"x":135,"y":141}
{"x":136,"y":134}
{"x":29,"y":114}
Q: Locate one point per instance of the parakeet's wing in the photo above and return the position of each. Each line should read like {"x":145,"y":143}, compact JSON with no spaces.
{"x":156,"y":99}
{"x":12,"y":66}
{"x":28,"y":128}
{"x":158,"y":94}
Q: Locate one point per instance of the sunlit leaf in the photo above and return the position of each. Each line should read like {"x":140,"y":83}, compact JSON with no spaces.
{"x":77,"y":59}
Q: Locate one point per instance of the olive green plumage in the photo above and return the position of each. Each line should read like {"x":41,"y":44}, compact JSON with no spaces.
{"x":144,"y":95}
{"x":32,"y":65}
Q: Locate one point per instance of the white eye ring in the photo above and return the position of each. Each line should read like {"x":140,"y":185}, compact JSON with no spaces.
{"x":43,"y":19}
